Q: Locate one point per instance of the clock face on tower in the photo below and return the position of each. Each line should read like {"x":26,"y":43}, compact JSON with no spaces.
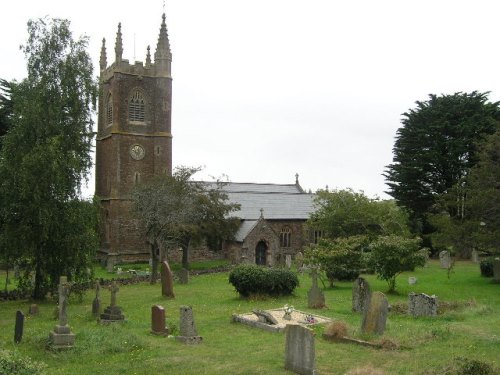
{"x":137,"y":152}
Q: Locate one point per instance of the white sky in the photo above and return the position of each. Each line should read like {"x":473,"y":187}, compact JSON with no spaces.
{"x":264,"y":89}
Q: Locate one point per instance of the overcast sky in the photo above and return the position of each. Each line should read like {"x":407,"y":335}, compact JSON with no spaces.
{"x":264,"y":89}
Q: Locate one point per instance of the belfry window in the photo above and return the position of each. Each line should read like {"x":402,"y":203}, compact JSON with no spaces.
{"x":109,"y":110}
{"x":285,"y":237}
{"x":136,"y":107}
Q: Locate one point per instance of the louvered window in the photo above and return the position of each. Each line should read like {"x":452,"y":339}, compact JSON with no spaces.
{"x":136,"y":107}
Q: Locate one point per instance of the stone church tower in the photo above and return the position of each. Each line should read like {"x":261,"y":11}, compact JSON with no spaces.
{"x":134,"y":141}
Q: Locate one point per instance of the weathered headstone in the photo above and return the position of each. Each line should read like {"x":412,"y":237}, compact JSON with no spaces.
{"x":167,"y":280}
{"x":19,"y":328}
{"x":360,"y":295}
{"x":110,"y":264}
{"x":300,"y":355}
{"x":420,"y":304}
{"x":34,"y":310}
{"x":187,"y":328}
{"x":61,"y":337}
{"x":315,"y":296}
{"x":412,"y":280}
{"x":158,"y":326}
{"x":112,"y":313}
{"x":96,"y":303}
{"x":265,"y":317}
{"x":299,"y":260}
{"x":474,"y":257}
{"x":183,"y":276}
{"x":375,"y":316}
{"x":496,"y":270}
{"x":288,"y":261}
{"x":444,"y":259}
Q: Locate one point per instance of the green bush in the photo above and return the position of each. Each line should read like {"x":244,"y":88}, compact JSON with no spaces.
{"x":14,"y":364}
{"x":473,"y":367}
{"x":486,"y":266}
{"x":252,"y":279}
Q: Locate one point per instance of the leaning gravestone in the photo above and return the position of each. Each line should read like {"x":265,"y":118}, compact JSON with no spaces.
{"x":375,"y":316}
{"x":158,"y":326}
{"x":420,"y":304}
{"x":315,"y":296}
{"x":96,"y":303}
{"x":444,"y":259}
{"x":183,"y":276}
{"x":360,"y":295}
{"x":496,"y":270}
{"x":167,"y":280}
{"x":61,"y":337}
{"x":112,"y":313}
{"x":300,"y":353}
{"x":187,"y":329}
{"x":18,"y":330}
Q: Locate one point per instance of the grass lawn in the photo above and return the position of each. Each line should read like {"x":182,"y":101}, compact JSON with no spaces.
{"x":471,"y":330}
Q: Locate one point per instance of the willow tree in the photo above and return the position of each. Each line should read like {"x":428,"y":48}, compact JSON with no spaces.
{"x":46,"y":155}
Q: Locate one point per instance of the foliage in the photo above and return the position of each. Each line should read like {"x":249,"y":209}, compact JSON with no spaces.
{"x":340,"y":259}
{"x":46,"y":155}
{"x":435,"y":148}
{"x":344,"y":213}
{"x":391,"y":255}
{"x":13,"y":363}
{"x":486,"y":267}
{"x":6,"y":107}
{"x":256,"y":280}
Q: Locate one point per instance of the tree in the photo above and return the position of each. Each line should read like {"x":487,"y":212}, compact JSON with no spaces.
{"x":391,"y":255}
{"x":5,"y":107}
{"x":46,"y":155}
{"x":435,"y":148}
{"x":176,"y":212}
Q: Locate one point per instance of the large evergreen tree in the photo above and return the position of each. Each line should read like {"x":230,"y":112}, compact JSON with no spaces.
{"x":46,"y":155}
{"x":436,"y":147}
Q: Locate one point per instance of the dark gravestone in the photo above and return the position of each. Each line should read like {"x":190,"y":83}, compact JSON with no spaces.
{"x":167,"y":280}
{"x":187,"y":328}
{"x":112,"y":313}
{"x":360,"y":295}
{"x":158,"y":321}
{"x":18,"y":330}
{"x":96,"y":303}
{"x":300,"y":353}
{"x":375,"y":316}
{"x":315,"y":296}
{"x":496,"y":270}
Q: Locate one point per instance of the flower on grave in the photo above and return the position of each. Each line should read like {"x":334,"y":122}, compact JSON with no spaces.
{"x":288,"y":309}
{"x":309,"y":318}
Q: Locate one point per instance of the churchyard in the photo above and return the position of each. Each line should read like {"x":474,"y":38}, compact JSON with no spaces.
{"x":467,"y":326}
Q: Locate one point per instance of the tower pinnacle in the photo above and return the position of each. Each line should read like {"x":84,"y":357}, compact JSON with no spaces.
{"x":118,"y":45}
{"x":163,"y":56}
{"x":103,"y":61}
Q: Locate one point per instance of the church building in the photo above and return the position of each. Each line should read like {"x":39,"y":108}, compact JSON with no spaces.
{"x":134,"y":143}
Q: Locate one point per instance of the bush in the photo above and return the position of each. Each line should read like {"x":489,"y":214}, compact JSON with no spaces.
{"x":252,"y":279}
{"x":486,"y":267}
{"x":14,"y":364}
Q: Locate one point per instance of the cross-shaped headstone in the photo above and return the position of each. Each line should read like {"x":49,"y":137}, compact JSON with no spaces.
{"x":63,"y":290}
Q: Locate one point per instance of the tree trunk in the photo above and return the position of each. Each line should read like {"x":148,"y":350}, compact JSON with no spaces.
{"x":154,"y":265}
{"x":185,"y":253}
{"x":38,"y":292}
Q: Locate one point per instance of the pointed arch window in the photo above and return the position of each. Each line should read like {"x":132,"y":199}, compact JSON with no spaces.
{"x":285,"y":237}
{"x":136,"y":107}
{"x":109,"y":110}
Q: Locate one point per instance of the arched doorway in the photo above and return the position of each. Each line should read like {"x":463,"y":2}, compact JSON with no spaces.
{"x":261,"y":253}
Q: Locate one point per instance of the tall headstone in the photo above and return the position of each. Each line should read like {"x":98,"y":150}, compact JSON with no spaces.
{"x":96,"y":303}
{"x":474,"y":257}
{"x":299,"y":260}
{"x":300,"y":355}
{"x":288,"y":261}
{"x":62,"y":337}
{"x":315,"y":296}
{"x":496,"y":270}
{"x":158,"y":326}
{"x":183,"y":276}
{"x":375,"y":316}
{"x":360,"y":295}
{"x":420,"y":304}
{"x":19,"y":328}
{"x":112,"y":313}
{"x":444,"y":259}
{"x":187,"y":328}
{"x":167,"y":280}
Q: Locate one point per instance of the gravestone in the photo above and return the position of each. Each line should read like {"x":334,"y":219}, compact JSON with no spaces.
{"x":62,"y":337}
{"x":19,"y":328}
{"x":288,"y":261}
{"x":183,"y":276}
{"x":110,"y":264}
{"x":412,"y":280}
{"x":474,"y":257}
{"x":167,"y":280}
{"x":112,"y":313}
{"x":96,"y":303}
{"x":34,"y":310}
{"x":315,"y":296}
{"x":300,"y":356}
{"x":420,"y":304}
{"x":444,"y":259}
{"x":158,"y":326}
{"x":187,"y":328}
{"x":496,"y":270}
{"x":299,"y":260}
{"x":360,"y":295}
{"x":375,"y":316}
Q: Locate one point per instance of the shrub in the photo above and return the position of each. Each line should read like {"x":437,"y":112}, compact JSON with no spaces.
{"x":486,"y":267}
{"x":252,"y":279}
{"x":14,"y":364}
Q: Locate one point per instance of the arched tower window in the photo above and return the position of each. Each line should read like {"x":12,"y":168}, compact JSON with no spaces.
{"x":136,"y":106}
{"x":285,"y":237}
{"x":109,"y":110}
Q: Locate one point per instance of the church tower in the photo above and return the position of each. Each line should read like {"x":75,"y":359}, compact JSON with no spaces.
{"x":134,"y":141}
